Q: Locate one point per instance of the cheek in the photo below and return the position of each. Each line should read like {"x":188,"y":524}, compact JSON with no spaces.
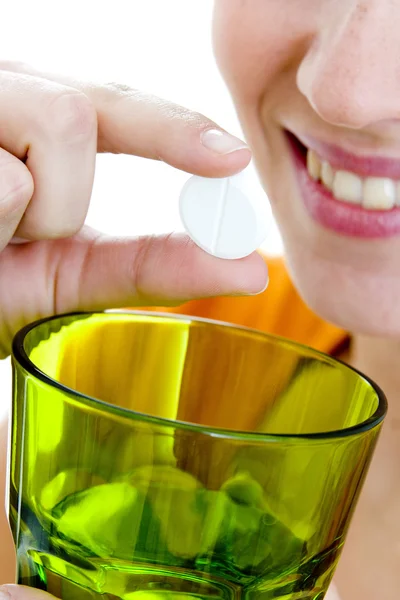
{"x":242,"y":43}
{"x":257,"y":41}
{"x":259,"y":46}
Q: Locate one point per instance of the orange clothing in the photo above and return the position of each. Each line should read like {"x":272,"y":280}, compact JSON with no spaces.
{"x":279,"y":310}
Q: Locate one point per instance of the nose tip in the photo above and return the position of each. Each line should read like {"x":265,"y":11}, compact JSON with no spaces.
{"x":339,"y":105}
{"x":350,"y":73}
{"x":354,"y":99}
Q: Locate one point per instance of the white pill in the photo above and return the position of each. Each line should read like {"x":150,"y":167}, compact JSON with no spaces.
{"x":226,"y":217}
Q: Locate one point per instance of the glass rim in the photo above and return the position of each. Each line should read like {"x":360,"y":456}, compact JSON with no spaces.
{"x":20,"y":356}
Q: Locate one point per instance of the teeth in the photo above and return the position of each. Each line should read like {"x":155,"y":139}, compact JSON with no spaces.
{"x":327,"y":175}
{"x":379,"y":193}
{"x":347,"y":187}
{"x":313,"y":165}
{"x":373,"y":193}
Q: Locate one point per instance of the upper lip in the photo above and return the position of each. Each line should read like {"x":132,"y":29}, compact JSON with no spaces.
{"x":365,"y":165}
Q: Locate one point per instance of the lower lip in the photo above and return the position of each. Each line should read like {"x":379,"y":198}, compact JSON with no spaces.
{"x":338,"y":216}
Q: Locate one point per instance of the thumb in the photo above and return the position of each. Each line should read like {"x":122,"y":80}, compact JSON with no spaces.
{"x":21,"y":592}
{"x":93,"y":272}
{"x":162,"y":271}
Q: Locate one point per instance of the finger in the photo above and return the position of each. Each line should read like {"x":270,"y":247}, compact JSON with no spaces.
{"x":132,"y":122}
{"x":91,"y":272}
{"x":332,"y":593}
{"x":16,"y":189}
{"x":164,"y":270}
{"x":53,"y":128}
{"x":21,"y":592}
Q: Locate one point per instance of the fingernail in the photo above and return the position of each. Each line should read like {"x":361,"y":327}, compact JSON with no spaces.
{"x":18,"y":240}
{"x":221,"y":142}
{"x":262,"y":290}
{"x":252,"y":293}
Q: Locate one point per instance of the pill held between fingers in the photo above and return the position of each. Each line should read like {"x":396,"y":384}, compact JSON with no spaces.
{"x":221,"y":217}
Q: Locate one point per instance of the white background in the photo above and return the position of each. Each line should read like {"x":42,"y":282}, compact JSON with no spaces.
{"x":159,"y":46}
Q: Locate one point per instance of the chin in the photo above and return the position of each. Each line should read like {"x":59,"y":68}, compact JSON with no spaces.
{"x":356,"y":299}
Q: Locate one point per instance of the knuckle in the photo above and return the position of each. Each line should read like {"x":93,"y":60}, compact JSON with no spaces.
{"x":119,"y":89}
{"x":152,"y":254}
{"x":186,"y":117}
{"x":141,"y":264}
{"x":112,"y":93}
{"x":175,"y":112}
{"x":71,"y":116}
{"x":16,"y":188}
{"x":169,"y":112}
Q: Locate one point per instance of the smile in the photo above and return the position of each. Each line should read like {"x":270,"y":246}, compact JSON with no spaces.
{"x":372,"y":193}
{"x":348,"y":194}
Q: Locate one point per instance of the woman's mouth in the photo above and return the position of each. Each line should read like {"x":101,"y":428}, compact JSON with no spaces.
{"x":352,"y":195}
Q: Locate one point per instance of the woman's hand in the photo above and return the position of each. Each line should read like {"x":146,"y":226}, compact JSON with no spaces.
{"x":50,"y":131}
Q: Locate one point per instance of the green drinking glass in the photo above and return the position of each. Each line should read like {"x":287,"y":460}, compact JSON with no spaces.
{"x":169,"y":458}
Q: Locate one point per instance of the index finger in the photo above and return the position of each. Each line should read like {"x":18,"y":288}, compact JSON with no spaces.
{"x":133,"y":122}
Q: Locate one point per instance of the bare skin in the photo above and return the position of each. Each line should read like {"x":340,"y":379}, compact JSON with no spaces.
{"x":53,"y":126}
{"x":322,"y":69}
{"x":63,"y":124}
{"x":326,"y":69}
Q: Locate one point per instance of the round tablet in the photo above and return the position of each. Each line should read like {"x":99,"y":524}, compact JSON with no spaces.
{"x":222,"y":216}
